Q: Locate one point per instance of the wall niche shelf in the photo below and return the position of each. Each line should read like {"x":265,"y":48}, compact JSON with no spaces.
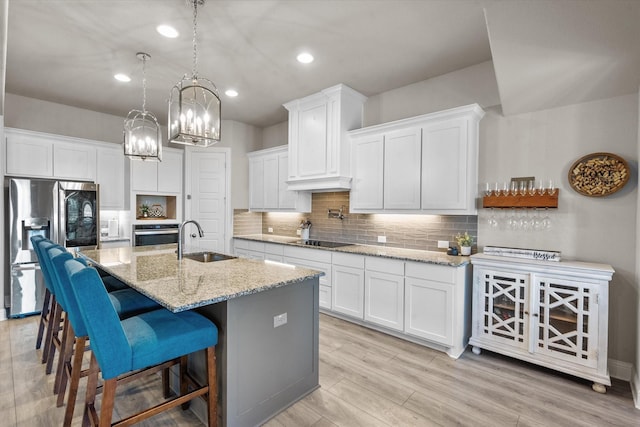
{"x":526,"y":201}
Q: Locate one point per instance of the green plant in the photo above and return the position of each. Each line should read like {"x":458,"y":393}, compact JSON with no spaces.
{"x":144,"y":208}
{"x":464,"y":239}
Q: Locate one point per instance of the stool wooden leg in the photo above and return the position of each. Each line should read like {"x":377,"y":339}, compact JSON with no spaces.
{"x":166,"y":389}
{"x":76,"y":373}
{"x":108,"y":397}
{"x":66,"y":349}
{"x":212,"y":380}
{"x":89,"y":417}
{"x":49,"y":333}
{"x":55,"y":339}
{"x":44,"y":317}
{"x":184,"y":386}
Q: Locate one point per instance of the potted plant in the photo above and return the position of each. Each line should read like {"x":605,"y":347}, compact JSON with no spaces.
{"x":464,"y":241}
{"x":144,"y":209}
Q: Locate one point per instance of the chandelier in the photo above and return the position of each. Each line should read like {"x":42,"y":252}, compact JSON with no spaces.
{"x":194,"y":105}
{"x":142,"y":138}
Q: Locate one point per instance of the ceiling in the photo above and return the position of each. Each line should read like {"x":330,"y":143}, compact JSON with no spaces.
{"x":545,"y":53}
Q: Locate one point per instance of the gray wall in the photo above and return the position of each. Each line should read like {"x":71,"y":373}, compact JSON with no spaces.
{"x":636,"y":376}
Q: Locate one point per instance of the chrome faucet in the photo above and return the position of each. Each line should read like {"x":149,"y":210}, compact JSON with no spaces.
{"x":180,"y":238}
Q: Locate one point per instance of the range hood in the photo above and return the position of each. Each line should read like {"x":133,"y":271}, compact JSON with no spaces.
{"x":319,"y":147}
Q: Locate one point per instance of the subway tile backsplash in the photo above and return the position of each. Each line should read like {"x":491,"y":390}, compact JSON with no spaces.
{"x":405,"y":231}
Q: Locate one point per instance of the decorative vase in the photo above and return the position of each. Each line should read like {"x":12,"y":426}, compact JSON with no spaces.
{"x":465,"y":250}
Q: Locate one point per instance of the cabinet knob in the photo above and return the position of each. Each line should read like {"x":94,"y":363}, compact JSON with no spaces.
{"x":193,"y":235}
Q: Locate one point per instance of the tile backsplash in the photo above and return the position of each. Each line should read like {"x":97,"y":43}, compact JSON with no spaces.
{"x":405,"y":231}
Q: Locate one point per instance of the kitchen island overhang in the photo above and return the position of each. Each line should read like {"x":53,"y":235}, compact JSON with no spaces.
{"x":266,"y":313}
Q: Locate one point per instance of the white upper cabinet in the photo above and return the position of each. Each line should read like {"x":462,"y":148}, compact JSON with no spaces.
{"x":28,"y":154}
{"x":158,"y":177}
{"x":319,"y":150}
{"x":367,"y":185}
{"x":425,"y":164}
{"x":268,"y":190}
{"x":42,"y":155}
{"x":110,"y":175}
{"x":402,"y":169}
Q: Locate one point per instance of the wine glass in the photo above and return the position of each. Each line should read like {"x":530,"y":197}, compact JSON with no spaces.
{"x":541,"y":189}
{"x":488,"y":191}
{"x":522,"y":188}
{"x":513,"y":191}
{"x":531,"y":188}
{"x":551,"y":188}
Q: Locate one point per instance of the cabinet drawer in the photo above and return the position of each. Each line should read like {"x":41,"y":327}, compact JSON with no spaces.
{"x":274,"y":249}
{"x":240,"y":244}
{"x":385,"y":265}
{"x":311,"y":254}
{"x":256,"y":246}
{"x":314,"y":265}
{"x":437,"y":273}
{"x":325,"y":297}
{"x":348,"y":260}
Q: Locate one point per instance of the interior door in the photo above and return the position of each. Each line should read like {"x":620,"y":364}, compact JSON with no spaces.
{"x":206,"y":198}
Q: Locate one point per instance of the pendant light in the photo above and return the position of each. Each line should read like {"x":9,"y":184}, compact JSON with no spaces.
{"x":142,"y":137}
{"x":194,"y":104}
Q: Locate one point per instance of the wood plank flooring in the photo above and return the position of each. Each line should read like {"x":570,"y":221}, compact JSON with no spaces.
{"x":367,"y":379}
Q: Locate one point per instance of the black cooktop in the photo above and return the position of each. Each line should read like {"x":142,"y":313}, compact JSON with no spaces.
{"x":322,"y":243}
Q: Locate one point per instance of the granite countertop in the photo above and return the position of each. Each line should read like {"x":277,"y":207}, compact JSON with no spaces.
{"x":430,"y":257}
{"x":186,"y":284}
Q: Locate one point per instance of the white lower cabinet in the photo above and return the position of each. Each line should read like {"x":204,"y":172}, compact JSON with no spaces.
{"x":426,"y":303}
{"x":384,"y":288}
{"x":553,"y":314}
{"x":315,"y":259}
{"x":348,"y":284}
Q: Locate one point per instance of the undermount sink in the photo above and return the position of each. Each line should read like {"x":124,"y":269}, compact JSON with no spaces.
{"x":208,"y":256}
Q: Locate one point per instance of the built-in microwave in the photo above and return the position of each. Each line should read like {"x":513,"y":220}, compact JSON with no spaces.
{"x":155,"y":234}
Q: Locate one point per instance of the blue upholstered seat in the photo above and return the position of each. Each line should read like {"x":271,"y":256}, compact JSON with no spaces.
{"x":139,"y":341}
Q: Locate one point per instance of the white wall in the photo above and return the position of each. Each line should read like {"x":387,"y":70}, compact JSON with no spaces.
{"x":242,"y":139}
{"x":597,"y":229}
{"x":276,"y":135}
{"x":635,"y":382}
{"x":475,"y":84}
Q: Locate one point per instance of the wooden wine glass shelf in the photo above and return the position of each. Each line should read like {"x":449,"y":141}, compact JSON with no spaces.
{"x":526,"y":201}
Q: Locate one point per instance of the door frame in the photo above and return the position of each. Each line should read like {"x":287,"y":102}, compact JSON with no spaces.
{"x":228,"y":223}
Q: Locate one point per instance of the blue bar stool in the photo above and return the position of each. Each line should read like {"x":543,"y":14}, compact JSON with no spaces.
{"x":54,"y":316}
{"x":150,"y":342}
{"x":126,"y":302}
{"x":46,"y":304}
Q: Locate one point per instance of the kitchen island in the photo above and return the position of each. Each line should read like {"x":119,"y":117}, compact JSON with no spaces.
{"x":267,"y":318}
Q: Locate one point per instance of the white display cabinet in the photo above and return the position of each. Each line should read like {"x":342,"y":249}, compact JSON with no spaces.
{"x":554,"y":314}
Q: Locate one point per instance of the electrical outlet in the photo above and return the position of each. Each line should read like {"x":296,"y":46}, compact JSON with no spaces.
{"x":270,"y":229}
{"x":382,"y":239}
{"x":443,"y":244}
{"x":279,"y":320}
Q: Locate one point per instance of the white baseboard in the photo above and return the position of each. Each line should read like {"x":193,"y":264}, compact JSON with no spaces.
{"x":635,"y":389}
{"x":620,"y":370}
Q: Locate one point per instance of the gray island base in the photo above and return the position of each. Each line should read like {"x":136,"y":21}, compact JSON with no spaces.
{"x":268,"y":332}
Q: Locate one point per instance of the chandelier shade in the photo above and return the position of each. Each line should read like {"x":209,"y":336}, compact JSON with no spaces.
{"x":142,"y":136}
{"x":194,"y":112}
{"x":194,"y":104}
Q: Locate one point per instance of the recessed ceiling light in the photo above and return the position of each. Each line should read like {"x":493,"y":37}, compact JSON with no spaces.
{"x":167,"y":31}
{"x":305,"y":58}
{"x":231,"y":93}
{"x":122,"y":77}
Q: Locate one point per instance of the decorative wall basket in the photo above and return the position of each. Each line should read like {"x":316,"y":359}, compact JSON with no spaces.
{"x":598,"y":174}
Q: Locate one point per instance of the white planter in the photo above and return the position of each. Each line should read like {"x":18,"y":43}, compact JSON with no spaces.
{"x":465,"y":250}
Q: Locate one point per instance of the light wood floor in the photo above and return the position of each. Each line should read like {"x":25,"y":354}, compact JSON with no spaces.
{"x":367,"y":379}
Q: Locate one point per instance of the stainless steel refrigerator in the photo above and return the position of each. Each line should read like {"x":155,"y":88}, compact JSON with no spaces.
{"x":62,"y":211}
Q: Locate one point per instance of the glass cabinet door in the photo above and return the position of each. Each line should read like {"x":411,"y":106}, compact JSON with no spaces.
{"x":567,"y":320}
{"x":504,"y":310}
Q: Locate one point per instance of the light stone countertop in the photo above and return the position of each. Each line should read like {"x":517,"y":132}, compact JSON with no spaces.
{"x":430,"y":257}
{"x":183,"y":285}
